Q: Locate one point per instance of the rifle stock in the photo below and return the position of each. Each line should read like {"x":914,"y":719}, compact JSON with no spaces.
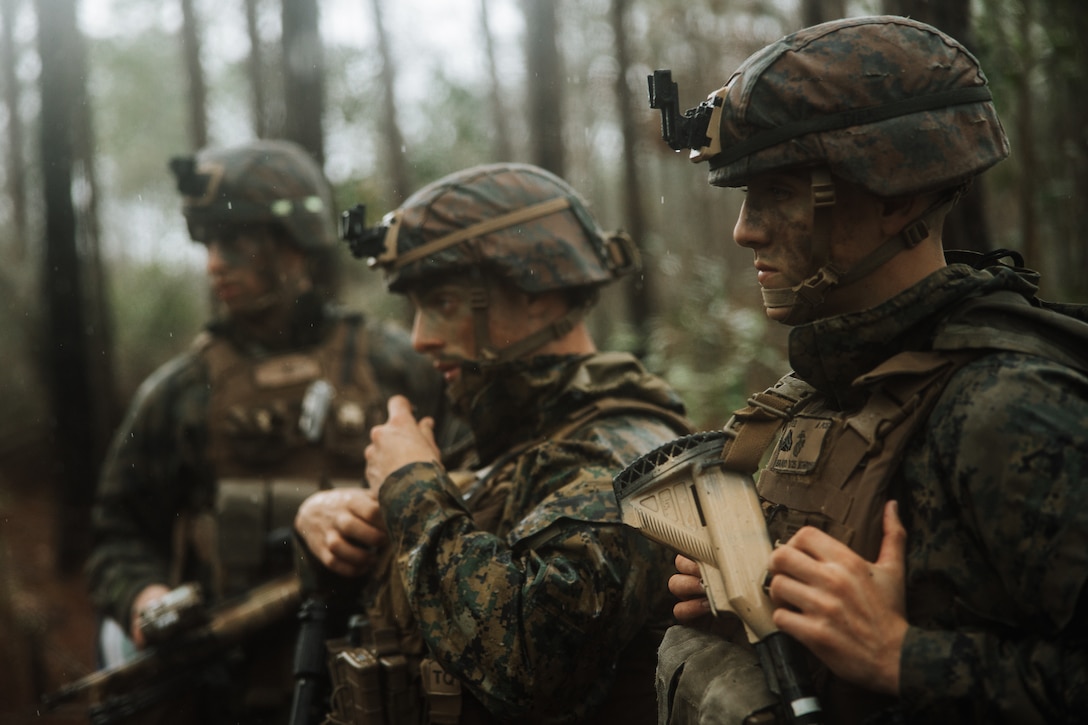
{"x":682,"y":496}
{"x":229,"y":624}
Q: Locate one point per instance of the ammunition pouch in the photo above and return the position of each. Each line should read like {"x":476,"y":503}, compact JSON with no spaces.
{"x":356,"y":687}
{"x":442,"y":691}
{"x":246,"y":538}
{"x":380,"y":673}
{"x":374,"y":682}
{"x":368,"y":689}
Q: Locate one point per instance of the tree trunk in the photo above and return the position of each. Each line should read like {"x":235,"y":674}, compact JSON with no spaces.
{"x":396,"y":165}
{"x":303,"y":77}
{"x":966,"y":226}
{"x":255,"y":68}
{"x":66,"y":354}
{"x":1065,"y":151}
{"x":951,"y":16}
{"x":814,"y":12}
{"x":1075,"y":243}
{"x":105,"y":413}
{"x":544,"y":79}
{"x":1030,"y":178}
{"x":502,"y":149}
{"x":639,"y":291}
{"x":198,"y":92}
{"x":16,"y":162}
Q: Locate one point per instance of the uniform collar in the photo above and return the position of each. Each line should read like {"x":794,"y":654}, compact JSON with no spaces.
{"x":512,"y":402}
{"x":832,"y":352}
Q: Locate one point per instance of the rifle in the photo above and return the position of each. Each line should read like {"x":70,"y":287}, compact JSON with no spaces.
{"x":680,"y":495}
{"x":165,"y":668}
{"x":309,"y":702}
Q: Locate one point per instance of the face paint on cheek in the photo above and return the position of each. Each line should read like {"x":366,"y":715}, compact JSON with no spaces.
{"x":244,"y":252}
{"x":453,"y":328}
{"x":797,"y":249}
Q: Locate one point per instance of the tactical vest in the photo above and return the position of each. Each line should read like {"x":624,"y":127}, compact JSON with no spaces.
{"x":832,"y":469}
{"x":380,"y":673}
{"x":280,"y":428}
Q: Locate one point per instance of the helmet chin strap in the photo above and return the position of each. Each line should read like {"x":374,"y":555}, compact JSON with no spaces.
{"x":488,"y":354}
{"x":480,"y":301}
{"x":805,"y":299}
{"x":279,"y":299}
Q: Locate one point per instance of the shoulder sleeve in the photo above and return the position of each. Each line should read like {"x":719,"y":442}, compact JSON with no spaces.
{"x":1009,"y":497}
{"x":153,"y":466}
{"x":573,"y":493}
{"x":510,"y":615}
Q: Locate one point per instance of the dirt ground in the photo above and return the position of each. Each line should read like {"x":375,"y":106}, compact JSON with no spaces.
{"x":46,"y":622}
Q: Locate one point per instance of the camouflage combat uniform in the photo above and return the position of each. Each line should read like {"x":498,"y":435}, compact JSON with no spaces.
{"x":961,"y":397}
{"x":996,"y":517}
{"x":517,"y":579}
{"x":537,"y":608}
{"x":158,"y":465}
{"x":997,"y":523}
{"x":158,"y":471}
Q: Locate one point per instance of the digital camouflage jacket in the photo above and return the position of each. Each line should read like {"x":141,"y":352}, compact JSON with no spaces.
{"x":159,"y":467}
{"x":535,"y":609}
{"x":992,"y":493}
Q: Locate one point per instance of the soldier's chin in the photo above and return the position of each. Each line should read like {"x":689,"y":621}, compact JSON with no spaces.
{"x":246,"y":308}
{"x":778,"y":314}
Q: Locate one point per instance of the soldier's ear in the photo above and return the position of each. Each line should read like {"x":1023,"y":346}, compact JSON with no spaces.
{"x":546,"y":306}
{"x":896,"y":212}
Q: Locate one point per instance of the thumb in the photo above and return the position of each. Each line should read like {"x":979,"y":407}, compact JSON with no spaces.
{"x":894,"y":546}
{"x":426,"y":427}
{"x":399,"y":407}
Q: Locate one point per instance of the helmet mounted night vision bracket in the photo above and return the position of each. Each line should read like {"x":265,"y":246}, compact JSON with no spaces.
{"x":698,"y":129}
{"x":198,"y":184}
{"x":376,"y":244}
{"x":695,"y":129}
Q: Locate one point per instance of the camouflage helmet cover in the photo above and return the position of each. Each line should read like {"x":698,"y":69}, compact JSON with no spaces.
{"x":520,"y":221}
{"x":886,"y":102}
{"x":266,"y":181}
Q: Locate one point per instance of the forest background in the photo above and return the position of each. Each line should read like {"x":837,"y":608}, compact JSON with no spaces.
{"x":100,"y":283}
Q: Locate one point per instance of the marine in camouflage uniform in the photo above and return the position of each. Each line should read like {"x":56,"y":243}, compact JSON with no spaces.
{"x":218,"y":448}
{"x":951,"y":390}
{"x":515,"y":582}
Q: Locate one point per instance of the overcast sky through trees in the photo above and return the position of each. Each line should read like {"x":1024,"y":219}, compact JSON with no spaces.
{"x":427,"y":34}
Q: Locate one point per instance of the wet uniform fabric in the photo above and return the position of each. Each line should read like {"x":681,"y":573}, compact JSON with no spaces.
{"x":992,"y":493}
{"x":160,"y":469}
{"x":535,"y":606}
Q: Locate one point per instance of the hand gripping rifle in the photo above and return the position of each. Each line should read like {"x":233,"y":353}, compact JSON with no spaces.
{"x":680,"y":495}
{"x":164,"y":669}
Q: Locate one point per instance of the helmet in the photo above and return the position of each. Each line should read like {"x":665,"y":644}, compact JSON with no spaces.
{"x":885,"y":102}
{"x":267,"y":181}
{"x":521,"y":222}
{"x":888,"y":103}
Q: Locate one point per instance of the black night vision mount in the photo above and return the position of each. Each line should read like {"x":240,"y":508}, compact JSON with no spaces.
{"x":365,"y":242}
{"x":189,"y":181}
{"x":687,"y":130}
